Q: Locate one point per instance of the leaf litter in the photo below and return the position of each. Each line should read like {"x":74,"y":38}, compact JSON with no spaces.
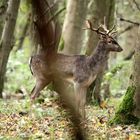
{"x":49,"y":121}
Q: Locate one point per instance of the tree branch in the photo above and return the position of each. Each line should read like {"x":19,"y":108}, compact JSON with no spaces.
{"x":126,"y":29}
{"x":137,"y":5}
{"x":129,"y":21}
{"x":56,"y":14}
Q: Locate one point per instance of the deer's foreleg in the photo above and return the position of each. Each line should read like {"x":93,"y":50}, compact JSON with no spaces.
{"x":83,"y":101}
{"x":80,"y":96}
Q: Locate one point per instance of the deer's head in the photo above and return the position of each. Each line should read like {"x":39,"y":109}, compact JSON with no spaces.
{"x":106,"y":37}
{"x":110,"y":44}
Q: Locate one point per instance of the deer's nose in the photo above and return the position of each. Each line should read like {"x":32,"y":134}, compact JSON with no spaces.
{"x":120,"y":49}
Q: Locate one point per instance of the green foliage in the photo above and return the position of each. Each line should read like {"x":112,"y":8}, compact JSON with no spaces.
{"x":24,"y":6}
{"x":18,"y":72}
{"x":118,"y":76}
{"x":110,"y":74}
{"x":21,"y":21}
{"x":61,"y":44}
{"x":124,"y":114}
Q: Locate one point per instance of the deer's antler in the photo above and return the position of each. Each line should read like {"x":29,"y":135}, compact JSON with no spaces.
{"x":108,"y":32}
{"x":103,"y":26}
{"x":89,"y":26}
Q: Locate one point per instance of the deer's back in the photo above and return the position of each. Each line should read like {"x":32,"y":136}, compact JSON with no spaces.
{"x":71,"y":68}
{"x":74,"y":69}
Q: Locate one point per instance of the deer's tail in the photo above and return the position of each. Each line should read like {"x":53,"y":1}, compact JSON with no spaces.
{"x":46,"y":30}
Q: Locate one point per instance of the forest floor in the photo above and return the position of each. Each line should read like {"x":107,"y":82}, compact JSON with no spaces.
{"x":48,"y":121}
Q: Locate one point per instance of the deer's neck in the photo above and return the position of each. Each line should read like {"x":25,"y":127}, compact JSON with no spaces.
{"x":99,"y":57}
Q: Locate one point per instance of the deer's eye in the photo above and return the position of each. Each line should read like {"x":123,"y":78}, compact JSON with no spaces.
{"x":109,"y":41}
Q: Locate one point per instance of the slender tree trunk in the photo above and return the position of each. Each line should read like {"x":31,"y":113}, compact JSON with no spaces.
{"x":73,"y":24}
{"x":136,"y":77}
{"x":99,"y":10}
{"x":24,"y":33}
{"x":3,"y":7}
{"x":7,"y":36}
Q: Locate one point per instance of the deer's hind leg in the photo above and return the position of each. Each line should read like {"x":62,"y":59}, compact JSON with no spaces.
{"x":40,"y":85}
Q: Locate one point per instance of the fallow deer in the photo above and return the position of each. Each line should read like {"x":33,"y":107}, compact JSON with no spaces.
{"x":80,"y":70}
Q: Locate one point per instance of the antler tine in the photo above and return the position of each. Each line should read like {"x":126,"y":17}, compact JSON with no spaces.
{"x":105,"y":23}
{"x":104,"y":26}
{"x":89,"y":26}
{"x":114,"y":33}
{"x":113,"y":27}
{"x":107,"y":32}
{"x":100,"y":26}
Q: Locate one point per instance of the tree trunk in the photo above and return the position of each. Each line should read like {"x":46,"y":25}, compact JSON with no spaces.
{"x":136,"y":77}
{"x":7,"y":36}
{"x":72,"y":35}
{"x":23,"y":34}
{"x":99,"y":10}
{"x":73,"y":24}
{"x":129,"y":109}
{"x":3,"y":7}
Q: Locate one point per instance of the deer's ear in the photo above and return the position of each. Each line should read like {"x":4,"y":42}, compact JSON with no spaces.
{"x":103,"y":38}
{"x":109,"y":40}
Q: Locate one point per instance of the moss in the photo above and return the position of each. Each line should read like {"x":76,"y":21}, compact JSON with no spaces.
{"x":124,"y":114}
{"x":61,"y":44}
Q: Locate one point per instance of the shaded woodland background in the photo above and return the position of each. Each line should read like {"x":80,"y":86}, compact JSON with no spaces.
{"x":116,"y":90}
